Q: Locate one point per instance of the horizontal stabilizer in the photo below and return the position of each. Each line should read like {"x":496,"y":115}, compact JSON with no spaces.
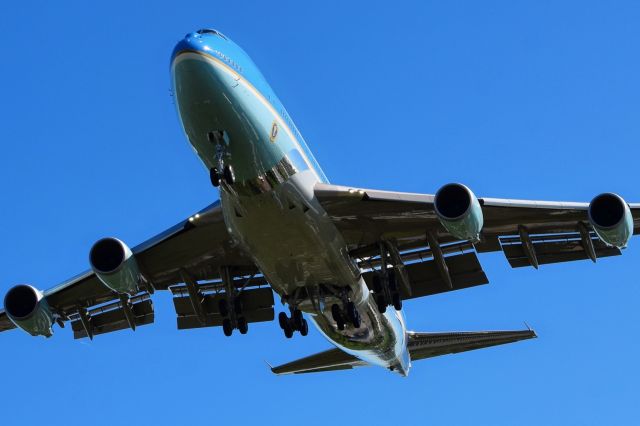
{"x":331,"y":360}
{"x":421,"y":345}
{"x":427,"y":345}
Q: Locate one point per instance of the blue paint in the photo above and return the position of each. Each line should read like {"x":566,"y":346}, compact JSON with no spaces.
{"x":221,"y":47}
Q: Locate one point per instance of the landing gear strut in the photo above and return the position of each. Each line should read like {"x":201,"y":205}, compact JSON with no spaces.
{"x":222,"y":171}
{"x":385,"y":291}
{"x":230,"y":307}
{"x":385,"y":285}
{"x":294,"y":323}
{"x":349,"y":314}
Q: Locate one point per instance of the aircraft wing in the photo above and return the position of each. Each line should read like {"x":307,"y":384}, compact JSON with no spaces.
{"x":5,"y":323}
{"x":555,"y":232}
{"x":420,"y":345}
{"x":197,"y":247}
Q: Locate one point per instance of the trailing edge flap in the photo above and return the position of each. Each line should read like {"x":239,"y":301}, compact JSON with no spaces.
{"x":421,"y":345}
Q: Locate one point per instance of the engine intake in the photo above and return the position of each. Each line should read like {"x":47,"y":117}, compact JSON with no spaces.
{"x":611,"y":218}
{"x":27,"y":308}
{"x":115,"y":265}
{"x":459,"y":211}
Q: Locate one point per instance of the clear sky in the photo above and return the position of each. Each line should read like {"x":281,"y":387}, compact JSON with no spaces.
{"x":516,"y":99}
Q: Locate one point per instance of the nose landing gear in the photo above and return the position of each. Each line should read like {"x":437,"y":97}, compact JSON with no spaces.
{"x":214,"y":175}
{"x":228,"y":175}
{"x":221,"y":140}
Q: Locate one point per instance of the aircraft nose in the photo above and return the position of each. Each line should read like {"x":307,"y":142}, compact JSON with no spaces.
{"x":203,"y":40}
{"x":191,"y":42}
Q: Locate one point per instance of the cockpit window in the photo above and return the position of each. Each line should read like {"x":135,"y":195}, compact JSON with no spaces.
{"x":210,"y":31}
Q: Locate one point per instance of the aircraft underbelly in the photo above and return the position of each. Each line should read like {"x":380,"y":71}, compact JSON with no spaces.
{"x":290,"y":237}
{"x":271,"y":210}
{"x":296,"y":245}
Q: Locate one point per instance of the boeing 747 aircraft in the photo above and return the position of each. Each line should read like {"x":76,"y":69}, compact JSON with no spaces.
{"x":341,"y":257}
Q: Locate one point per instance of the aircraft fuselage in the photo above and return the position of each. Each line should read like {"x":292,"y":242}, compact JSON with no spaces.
{"x":232,"y":117}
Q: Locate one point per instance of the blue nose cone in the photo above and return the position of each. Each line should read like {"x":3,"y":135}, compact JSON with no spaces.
{"x":190,"y":42}
{"x":198,"y":41}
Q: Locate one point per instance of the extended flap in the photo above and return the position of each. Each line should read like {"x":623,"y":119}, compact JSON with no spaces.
{"x":115,"y":320}
{"x":425,"y":278}
{"x":553,"y":251}
{"x":257,"y":306}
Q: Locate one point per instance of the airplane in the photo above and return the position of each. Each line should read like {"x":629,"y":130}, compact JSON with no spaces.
{"x":342,"y":257}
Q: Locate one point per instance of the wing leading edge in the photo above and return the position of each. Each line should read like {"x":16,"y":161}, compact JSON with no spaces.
{"x":529,"y":233}
{"x":366,"y":215}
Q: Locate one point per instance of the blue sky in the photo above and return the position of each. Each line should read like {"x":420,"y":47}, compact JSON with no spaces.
{"x":519,"y":99}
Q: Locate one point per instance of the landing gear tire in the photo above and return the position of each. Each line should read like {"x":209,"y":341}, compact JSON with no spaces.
{"x":381,"y":303}
{"x":377,"y":283}
{"x":229,"y":175}
{"x":393,"y":283}
{"x":227,"y":328}
{"x":298,"y":319}
{"x":214,"y":175}
{"x":288,"y":330}
{"x":304,"y":330}
{"x":283,"y":319}
{"x":353,"y":314}
{"x":223,"y":307}
{"x":337,"y":316}
{"x":335,"y":312}
{"x":397,"y":301}
{"x":356,"y":320}
{"x":243,"y":326}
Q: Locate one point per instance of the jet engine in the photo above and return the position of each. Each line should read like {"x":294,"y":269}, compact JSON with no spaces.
{"x":459,"y":211}
{"x":611,"y":218}
{"x":115,"y":265}
{"x":27,"y":308}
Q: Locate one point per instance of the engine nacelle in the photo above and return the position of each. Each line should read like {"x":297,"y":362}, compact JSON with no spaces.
{"x":459,"y":211}
{"x":27,"y":308}
{"x":611,"y":218}
{"x":115,"y":265}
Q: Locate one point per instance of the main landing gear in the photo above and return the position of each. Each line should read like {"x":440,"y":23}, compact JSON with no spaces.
{"x":230,"y":307}
{"x":294,"y":323}
{"x":349,"y":314}
{"x":233,"y":317}
{"x":385,"y":290}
